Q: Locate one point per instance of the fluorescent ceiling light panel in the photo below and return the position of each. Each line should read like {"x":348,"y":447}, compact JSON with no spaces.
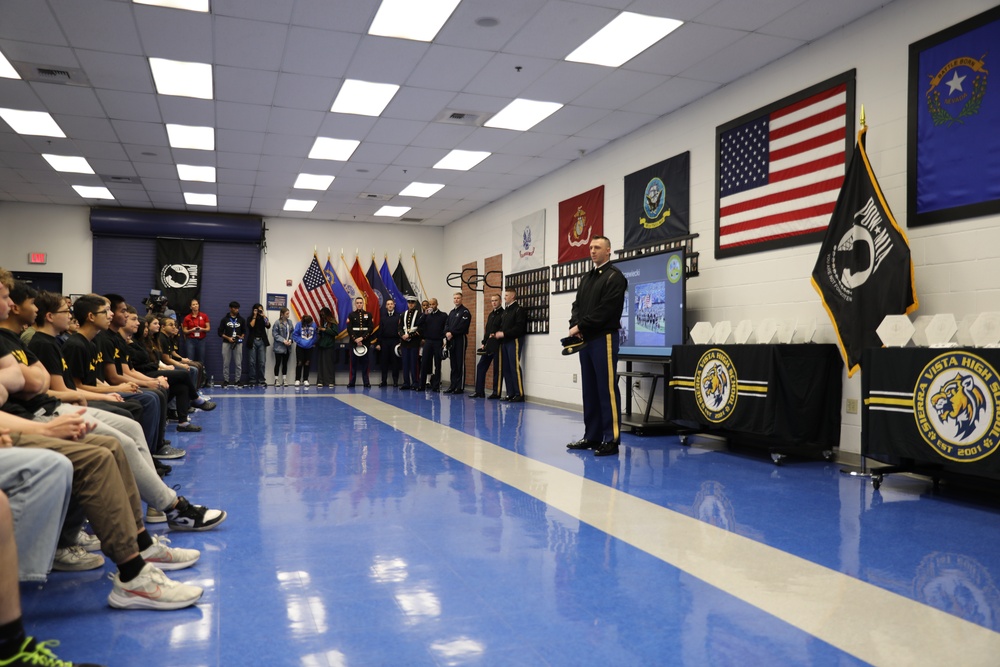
{"x":624,"y":38}
{"x":200,"y":199}
{"x":189,"y":5}
{"x":190,"y":172}
{"x":421,"y":189}
{"x":312,"y":182}
{"x":7,"y":70}
{"x":304,"y":205}
{"x":461,"y":160}
{"x":363,"y":97}
{"x":392,"y":211}
{"x":69,"y":163}
{"x":191,"y":136}
{"x":175,"y":77}
{"x":326,"y":148}
{"x":90,"y":192}
{"x":35,"y":123}
{"x":523,"y":114}
{"x":411,"y":19}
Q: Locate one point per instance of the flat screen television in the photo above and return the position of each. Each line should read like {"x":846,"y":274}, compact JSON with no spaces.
{"x":655,"y":304}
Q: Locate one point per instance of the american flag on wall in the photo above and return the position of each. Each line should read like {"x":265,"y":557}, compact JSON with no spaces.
{"x":779,"y":169}
{"x":313,"y":293}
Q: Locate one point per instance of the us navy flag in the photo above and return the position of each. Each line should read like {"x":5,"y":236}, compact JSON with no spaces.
{"x":656,"y":201}
{"x":864,"y":271}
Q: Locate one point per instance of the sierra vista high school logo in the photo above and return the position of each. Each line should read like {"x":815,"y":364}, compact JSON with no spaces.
{"x":955,"y":406}
{"x":715,"y":389}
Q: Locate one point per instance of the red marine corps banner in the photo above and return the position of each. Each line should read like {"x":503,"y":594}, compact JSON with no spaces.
{"x":581,"y":218}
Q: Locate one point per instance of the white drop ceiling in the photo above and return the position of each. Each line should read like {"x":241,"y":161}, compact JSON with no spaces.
{"x":278,"y":65}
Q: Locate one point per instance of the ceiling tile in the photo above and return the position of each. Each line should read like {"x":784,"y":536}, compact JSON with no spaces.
{"x":249,"y":117}
{"x":148,"y":134}
{"x":616,"y":124}
{"x":619,"y":89}
{"x":123,"y":105}
{"x":101,"y":25}
{"x":245,"y":43}
{"x":671,"y":96}
{"x":558,"y":28}
{"x":80,"y":127}
{"x":319,"y":52}
{"x":30,"y":21}
{"x":279,"y":11}
{"x":75,"y":100}
{"x":295,"y":122}
{"x":350,"y":15}
{"x":301,"y":91}
{"x":447,"y":67}
{"x":683,"y":48}
{"x":176,"y":35}
{"x":19,"y":95}
{"x":238,"y":84}
{"x":116,"y":72}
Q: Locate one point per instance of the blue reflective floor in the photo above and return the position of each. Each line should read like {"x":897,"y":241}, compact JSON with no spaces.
{"x":375,"y":527}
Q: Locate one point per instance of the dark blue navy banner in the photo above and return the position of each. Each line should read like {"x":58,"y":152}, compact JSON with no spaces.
{"x":657,"y":202}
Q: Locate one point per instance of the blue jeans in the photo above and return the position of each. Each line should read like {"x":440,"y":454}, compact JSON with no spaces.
{"x":258,"y":361}
{"x":196,"y":349}
{"x":38,"y":484}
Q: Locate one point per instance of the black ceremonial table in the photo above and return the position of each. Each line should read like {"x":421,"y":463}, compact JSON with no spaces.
{"x":784,"y":397}
{"x":932,"y":411}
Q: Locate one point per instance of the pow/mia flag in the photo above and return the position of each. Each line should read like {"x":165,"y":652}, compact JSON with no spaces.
{"x":178,"y":271}
{"x":657,"y":202}
{"x":864,"y":271}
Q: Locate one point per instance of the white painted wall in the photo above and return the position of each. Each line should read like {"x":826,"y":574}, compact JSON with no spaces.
{"x":61,"y":231}
{"x":954,"y":262}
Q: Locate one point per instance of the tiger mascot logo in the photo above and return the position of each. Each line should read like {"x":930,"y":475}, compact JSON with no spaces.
{"x":716,"y":386}
{"x":961,"y":401}
{"x":954,"y":406}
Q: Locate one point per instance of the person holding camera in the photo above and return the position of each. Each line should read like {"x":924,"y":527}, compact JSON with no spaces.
{"x":257,"y":333}
{"x":233,"y":330}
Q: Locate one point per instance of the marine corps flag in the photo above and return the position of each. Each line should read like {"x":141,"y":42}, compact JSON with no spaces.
{"x":864,"y":271}
{"x":581,"y":218}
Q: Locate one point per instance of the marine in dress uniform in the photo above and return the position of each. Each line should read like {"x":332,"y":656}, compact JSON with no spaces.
{"x":360,"y":329}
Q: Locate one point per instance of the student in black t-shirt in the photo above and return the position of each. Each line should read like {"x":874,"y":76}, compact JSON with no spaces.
{"x":180,"y":514}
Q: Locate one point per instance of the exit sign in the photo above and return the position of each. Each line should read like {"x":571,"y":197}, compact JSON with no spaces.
{"x":36,"y":258}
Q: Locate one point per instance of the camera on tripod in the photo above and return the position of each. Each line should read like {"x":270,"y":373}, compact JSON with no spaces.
{"x":156,"y":302}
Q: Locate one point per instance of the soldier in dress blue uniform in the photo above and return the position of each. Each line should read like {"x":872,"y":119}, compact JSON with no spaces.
{"x":456,"y":332}
{"x":360,"y":329}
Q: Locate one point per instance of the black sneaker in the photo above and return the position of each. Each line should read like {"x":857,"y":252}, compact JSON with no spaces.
{"x":225,"y":383}
{"x":162,"y":469}
{"x":185,"y":516}
{"x":39,"y":653}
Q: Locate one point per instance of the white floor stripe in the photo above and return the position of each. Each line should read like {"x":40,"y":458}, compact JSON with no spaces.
{"x":873,"y":624}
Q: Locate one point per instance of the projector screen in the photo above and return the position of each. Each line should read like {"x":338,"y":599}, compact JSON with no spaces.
{"x":653,"y":315}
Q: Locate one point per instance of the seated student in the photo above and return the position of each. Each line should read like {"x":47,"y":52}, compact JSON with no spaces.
{"x":168,"y":338}
{"x":17,"y":649}
{"x":86,"y":362}
{"x":151,"y":392}
{"x":143,"y":356}
{"x":168,"y":507}
{"x":103,"y":485}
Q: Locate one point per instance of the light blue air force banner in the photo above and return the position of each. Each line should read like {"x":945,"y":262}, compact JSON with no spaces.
{"x":953,"y":142}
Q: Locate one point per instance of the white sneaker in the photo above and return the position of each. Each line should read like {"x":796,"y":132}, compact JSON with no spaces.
{"x":152,"y":590}
{"x":154,"y":515}
{"x":88,"y":542}
{"x":284,"y":380}
{"x":306,"y":383}
{"x":296,"y":383}
{"x":76,"y":559}
{"x":169,"y":558}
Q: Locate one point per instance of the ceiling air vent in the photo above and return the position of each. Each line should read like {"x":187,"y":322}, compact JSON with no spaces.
{"x":118,"y":180}
{"x":374,"y":197}
{"x":36,"y":72}
{"x":411,"y":219}
{"x":462,"y":117}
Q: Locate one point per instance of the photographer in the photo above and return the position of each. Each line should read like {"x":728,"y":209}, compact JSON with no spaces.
{"x":232,"y":329}
{"x":259,"y":343}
